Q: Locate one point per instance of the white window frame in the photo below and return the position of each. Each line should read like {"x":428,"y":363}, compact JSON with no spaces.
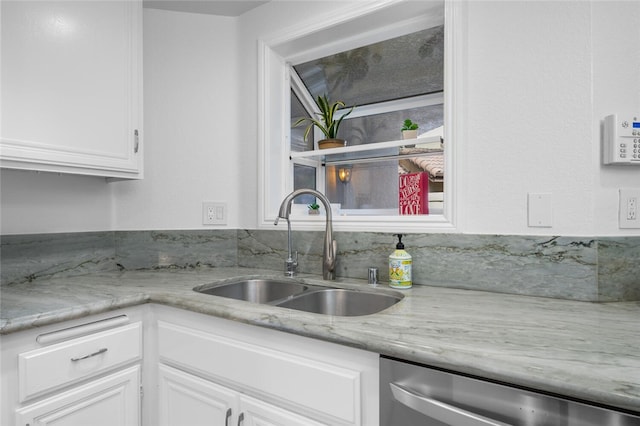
{"x":299,"y":43}
{"x":309,"y":105}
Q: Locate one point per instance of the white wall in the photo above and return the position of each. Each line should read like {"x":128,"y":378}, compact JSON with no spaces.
{"x":616,"y":88}
{"x":529,"y":115}
{"x":33,"y":203}
{"x":191,"y":124}
{"x":540,"y":77}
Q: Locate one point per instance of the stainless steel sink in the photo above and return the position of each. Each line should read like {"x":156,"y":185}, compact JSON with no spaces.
{"x":255,"y":290}
{"x":288,"y":293}
{"x":342,"y":302}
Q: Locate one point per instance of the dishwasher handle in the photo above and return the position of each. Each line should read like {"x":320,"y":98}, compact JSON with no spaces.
{"x":439,"y":410}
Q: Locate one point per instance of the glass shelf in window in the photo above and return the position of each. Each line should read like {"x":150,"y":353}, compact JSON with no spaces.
{"x":375,"y":151}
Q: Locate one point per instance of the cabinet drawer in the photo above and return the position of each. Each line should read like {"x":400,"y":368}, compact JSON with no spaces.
{"x":307,"y":385}
{"x":108,"y":401}
{"x":57,"y":365}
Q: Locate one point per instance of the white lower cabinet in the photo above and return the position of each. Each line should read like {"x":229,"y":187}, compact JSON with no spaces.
{"x":220,"y":372}
{"x":78,"y":373}
{"x":186,"y":399}
{"x":193,"y":370}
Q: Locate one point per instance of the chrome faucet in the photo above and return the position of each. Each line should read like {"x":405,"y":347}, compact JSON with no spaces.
{"x":330,"y":245}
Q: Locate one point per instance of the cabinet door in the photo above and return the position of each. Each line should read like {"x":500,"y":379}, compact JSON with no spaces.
{"x":71,"y":87}
{"x":258,"y":413}
{"x":111,"y":400}
{"x":316,"y":384}
{"x":189,"y":400}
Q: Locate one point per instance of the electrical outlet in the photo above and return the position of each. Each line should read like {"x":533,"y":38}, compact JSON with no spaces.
{"x":629,"y":210}
{"x":632,"y":208}
{"x":214,"y":213}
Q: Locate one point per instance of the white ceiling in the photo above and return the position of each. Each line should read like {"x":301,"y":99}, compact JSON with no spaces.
{"x":211,"y":7}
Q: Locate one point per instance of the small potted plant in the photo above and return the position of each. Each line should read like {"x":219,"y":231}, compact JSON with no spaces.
{"x":326,"y":122}
{"x":409,"y":129}
{"x":314,"y":208}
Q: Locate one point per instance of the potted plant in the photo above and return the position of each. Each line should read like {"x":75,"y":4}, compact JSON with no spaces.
{"x":326,"y":122}
{"x":314,"y":208}
{"x":409,"y":129}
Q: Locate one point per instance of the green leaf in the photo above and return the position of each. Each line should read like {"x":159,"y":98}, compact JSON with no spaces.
{"x":325,"y":118}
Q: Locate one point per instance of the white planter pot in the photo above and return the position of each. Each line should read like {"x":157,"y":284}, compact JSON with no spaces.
{"x":409,"y":134}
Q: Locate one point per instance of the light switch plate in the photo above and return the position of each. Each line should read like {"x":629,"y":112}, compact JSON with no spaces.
{"x":540,"y":210}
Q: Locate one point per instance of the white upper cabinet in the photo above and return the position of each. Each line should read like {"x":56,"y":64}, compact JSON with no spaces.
{"x":72,"y":87}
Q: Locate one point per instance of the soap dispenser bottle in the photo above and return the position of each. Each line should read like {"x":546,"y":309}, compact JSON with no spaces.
{"x":400,"y":266}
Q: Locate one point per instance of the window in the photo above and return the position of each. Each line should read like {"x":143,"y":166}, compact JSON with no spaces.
{"x":403,"y":77}
{"x":392,"y":73}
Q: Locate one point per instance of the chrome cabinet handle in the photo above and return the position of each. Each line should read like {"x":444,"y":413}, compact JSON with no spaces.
{"x":439,"y":410}
{"x":226,"y":420}
{"x":136,"y":141}
{"x":98,"y":352}
{"x":240,"y":419}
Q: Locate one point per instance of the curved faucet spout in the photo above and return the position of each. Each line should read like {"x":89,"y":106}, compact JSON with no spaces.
{"x":330,"y":245}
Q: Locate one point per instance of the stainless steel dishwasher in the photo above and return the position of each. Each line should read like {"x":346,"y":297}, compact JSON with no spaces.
{"x":413,"y":394}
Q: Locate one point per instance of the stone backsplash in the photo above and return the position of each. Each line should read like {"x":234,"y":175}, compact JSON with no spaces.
{"x":25,"y":258}
{"x":578,"y":268}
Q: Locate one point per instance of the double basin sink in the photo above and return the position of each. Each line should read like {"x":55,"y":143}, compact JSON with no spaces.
{"x":301,"y":296}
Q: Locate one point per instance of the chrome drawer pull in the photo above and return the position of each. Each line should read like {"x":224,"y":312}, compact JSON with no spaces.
{"x":98,"y":352}
{"x":439,"y":410}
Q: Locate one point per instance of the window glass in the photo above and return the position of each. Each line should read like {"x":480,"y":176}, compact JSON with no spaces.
{"x":397,"y":68}
{"x":387,"y":126}
{"x":298,"y":143}
{"x":304,"y":177}
{"x":372,"y":188}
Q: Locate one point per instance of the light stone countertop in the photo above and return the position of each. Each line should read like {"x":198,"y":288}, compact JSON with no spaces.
{"x":589,"y":351}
